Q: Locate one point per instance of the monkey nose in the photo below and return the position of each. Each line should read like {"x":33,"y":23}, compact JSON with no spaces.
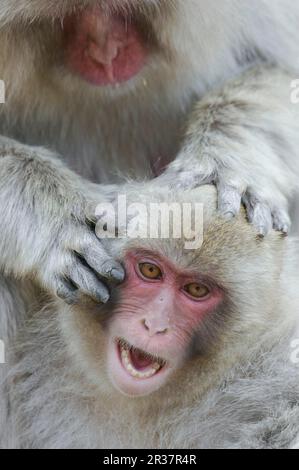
{"x":154,"y":328}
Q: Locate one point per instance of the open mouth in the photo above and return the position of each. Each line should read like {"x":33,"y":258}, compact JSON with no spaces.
{"x":133,"y":371}
{"x":138,"y":363}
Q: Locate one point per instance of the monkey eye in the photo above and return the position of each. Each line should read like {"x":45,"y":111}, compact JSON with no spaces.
{"x":196,"y":291}
{"x":150,"y":271}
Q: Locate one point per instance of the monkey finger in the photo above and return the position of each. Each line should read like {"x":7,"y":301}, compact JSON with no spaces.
{"x":88,"y":283}
{"x":98,"y":259}
{"x":229,"y":200}
{"x":66,"y":291}
{"x":259,"y":214}
{"x":281,"y":221}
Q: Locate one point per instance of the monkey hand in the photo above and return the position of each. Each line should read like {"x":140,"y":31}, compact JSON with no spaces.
{"x":77,"y":264}
{"x":240,"y":138}
{"x":264,"y":193}
{"x":46,"y":230}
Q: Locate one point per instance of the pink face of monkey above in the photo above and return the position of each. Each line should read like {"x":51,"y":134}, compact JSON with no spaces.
{"x":159,"y":311}
{"x":103,"y":49}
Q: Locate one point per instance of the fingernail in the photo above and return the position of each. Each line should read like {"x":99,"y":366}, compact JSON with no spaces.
{"x":117,"y":274}
{"x":285,"y":230}
{"x":103,"y":299}
{"x":262,"y":232}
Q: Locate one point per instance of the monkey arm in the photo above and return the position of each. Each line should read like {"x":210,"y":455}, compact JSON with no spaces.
{"x":44,"y":232}
{"x":245,"y":139}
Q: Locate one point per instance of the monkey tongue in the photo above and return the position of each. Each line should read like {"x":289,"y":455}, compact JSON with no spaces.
{"x":103,"y":50}
{"x":140,"y":361}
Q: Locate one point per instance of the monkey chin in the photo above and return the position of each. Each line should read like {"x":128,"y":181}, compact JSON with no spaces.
{"x":103,"y":49}
{"x":134,"y":372}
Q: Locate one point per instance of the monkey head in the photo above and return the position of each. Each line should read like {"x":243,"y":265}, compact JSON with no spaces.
{"x":177,"y":307}
{"x":160,"y":308}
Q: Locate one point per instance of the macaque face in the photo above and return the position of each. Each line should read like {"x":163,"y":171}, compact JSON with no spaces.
{"x":177,"y":308}
{"x":106,"y":44}
{"x":160,"y":309}
{"x":104,"y":48}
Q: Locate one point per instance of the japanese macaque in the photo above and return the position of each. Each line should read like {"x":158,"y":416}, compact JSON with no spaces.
{"x":194,"y":349}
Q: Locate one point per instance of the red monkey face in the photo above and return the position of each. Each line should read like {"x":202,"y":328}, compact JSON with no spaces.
{"x":103,"y":48}
{"x":158,"y":313}
{"x":107,"y":48}
{"x":109,"y":43}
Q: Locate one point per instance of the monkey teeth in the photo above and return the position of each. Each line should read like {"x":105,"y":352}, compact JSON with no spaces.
{"x":127,"y":363}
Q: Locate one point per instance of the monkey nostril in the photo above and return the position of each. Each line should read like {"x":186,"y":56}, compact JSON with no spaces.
{"x":162,"y":332}
{"x":153,"y":331}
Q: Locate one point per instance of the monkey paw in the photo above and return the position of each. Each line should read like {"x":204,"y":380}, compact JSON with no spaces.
{"x":266,"y":206}
{"x":78,"y":265}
